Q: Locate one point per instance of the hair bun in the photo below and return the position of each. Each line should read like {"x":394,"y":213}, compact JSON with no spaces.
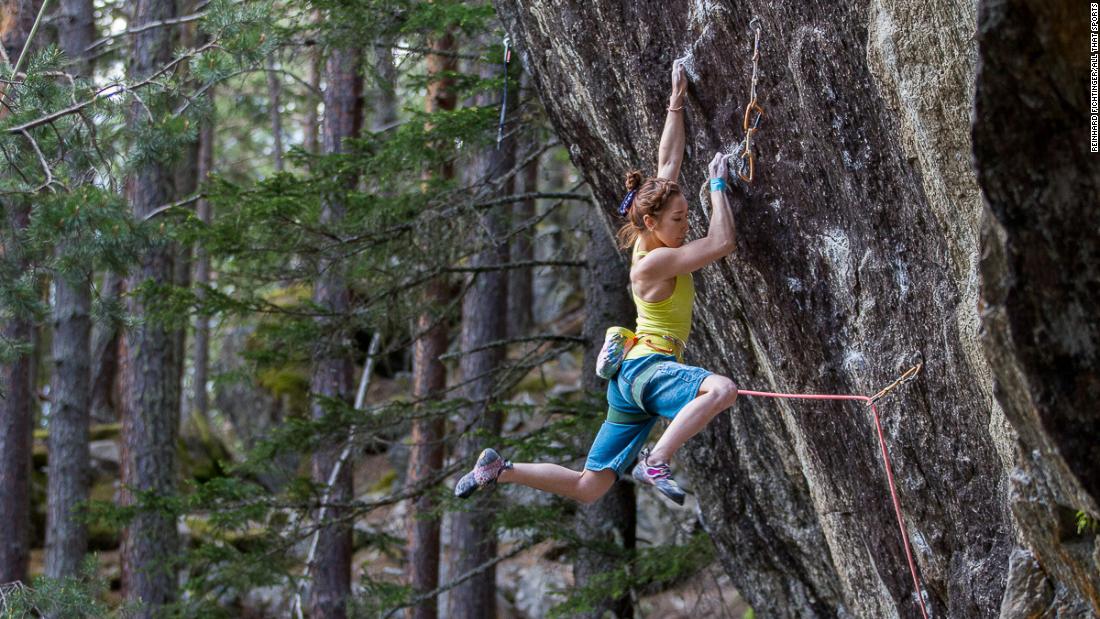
{"x":634,"y":180}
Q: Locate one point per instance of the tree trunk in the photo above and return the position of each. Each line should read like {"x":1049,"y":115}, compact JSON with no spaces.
{"x":332,"y":367}
{"x":605,"y":528}
{"x":66,"y":540}
{"x":16,"y":374}
{"x":16,"y":20}
{"x":426,"y":453}
{"x":274,"y":93}
{"x":106,"y":343}
{"x":66,"y":534}
{"x":150,"y":365}
{"x":859,"y":246}
{"x":385,"y":88}
{"x":520,"y":286}
{"x":187,"y":183}
{"x":313,"y":78}
{"x":16,"y":418}
{"x":473,"y":540}
{"x":200,"y":398}
{"x":75,"y":32}
{"x":429,"y":379}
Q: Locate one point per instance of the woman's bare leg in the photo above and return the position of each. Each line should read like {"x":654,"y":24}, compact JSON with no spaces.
{"x":716,"y":394}
{"x":583,"y":486}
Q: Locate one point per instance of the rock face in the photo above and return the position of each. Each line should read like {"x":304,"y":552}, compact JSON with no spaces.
{"x":864,"y":243}
{"x":1041,"y":282}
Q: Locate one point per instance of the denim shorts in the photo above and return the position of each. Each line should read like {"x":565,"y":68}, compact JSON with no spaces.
{"x":670,"y":387}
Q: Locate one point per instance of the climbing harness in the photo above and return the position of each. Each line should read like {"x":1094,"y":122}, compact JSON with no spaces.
{"x":618,"y":341}
{"x":653,"y":341}
{"x":746,"y":165}
{"x":908,"y":376}
{"x":504,"y":96}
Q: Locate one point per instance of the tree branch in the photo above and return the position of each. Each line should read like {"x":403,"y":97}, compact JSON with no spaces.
{"x":108,"y":92}
{"x":523,"y":264}
{"x":148,"y":26}
{"x":164,"y":207}
{"x":42,"y":162}
{"x":521,"y":197}
{"x":463,"y":578}
{"x":516,"y":340}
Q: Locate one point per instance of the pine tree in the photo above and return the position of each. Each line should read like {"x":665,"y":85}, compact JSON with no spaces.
{"x":473,"y":538}
{"x":66,"y":536}
{"x":149,"y":369}
{"x":331,"y":379}
{"x":17,"y":332}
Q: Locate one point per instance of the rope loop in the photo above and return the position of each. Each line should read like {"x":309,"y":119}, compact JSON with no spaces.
{"x":908,"y":376}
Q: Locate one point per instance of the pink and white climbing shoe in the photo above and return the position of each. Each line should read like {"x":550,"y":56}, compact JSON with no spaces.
{"x":659,"y":475}
{"x":485,"y":473}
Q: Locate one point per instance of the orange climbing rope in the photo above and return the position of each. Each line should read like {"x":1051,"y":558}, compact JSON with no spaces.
{"x":904,"y":378}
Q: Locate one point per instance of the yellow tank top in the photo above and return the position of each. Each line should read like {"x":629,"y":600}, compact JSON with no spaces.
{"x":660,"y":319}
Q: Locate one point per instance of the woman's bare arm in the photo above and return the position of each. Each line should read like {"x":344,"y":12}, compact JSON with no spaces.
{"x":671,"y":152}
{"x":720,"y":241}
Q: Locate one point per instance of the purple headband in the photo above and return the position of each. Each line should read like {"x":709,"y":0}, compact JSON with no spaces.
{"x":625,"y":204}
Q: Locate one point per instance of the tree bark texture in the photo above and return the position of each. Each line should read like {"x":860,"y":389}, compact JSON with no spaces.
{"x":426,"y":453}
{"x":16,"y":20}
{"x":385,"y":89}
{"x":332,"y":376}
{"x":106,"y":395}
{"x":150,"y":363}
{"x":75,"y":32}
{"x":274,"y":91}
{"x":858,"y":249}
{"x":66,"y":534}
{"x":520,"y":286}
{"x":16,"y":417}
{"x":200,"y":400}
{"x":313,"y":78}
{"x":186,"y":184}
{"x":484,"y":309}
{"x":606,"y":528}
{"x":429,"y":374}
{"x":70,"y":415}
{"x":17,"y":406}
{"x":1041,"y":288}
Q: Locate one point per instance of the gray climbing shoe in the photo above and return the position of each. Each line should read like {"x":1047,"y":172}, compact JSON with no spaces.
{"x":485,"y":473}
{"x":658,"y":475}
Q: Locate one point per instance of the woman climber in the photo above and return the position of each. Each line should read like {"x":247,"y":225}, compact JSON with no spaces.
{"x":652,"y":381}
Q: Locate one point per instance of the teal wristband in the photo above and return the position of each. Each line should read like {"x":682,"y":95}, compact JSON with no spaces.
{"x":717,"y":184}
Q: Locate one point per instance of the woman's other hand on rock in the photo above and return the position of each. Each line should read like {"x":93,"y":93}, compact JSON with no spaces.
{"x":679,"y":84}
{"x":718,"y":167}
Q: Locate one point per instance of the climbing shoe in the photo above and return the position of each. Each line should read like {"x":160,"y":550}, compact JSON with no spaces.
{"x":659,"y":475}
{"x":485,"y":473}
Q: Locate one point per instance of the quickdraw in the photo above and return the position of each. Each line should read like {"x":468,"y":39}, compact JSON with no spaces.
{"x":746,"y":166}
{"x":504,"y":96}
